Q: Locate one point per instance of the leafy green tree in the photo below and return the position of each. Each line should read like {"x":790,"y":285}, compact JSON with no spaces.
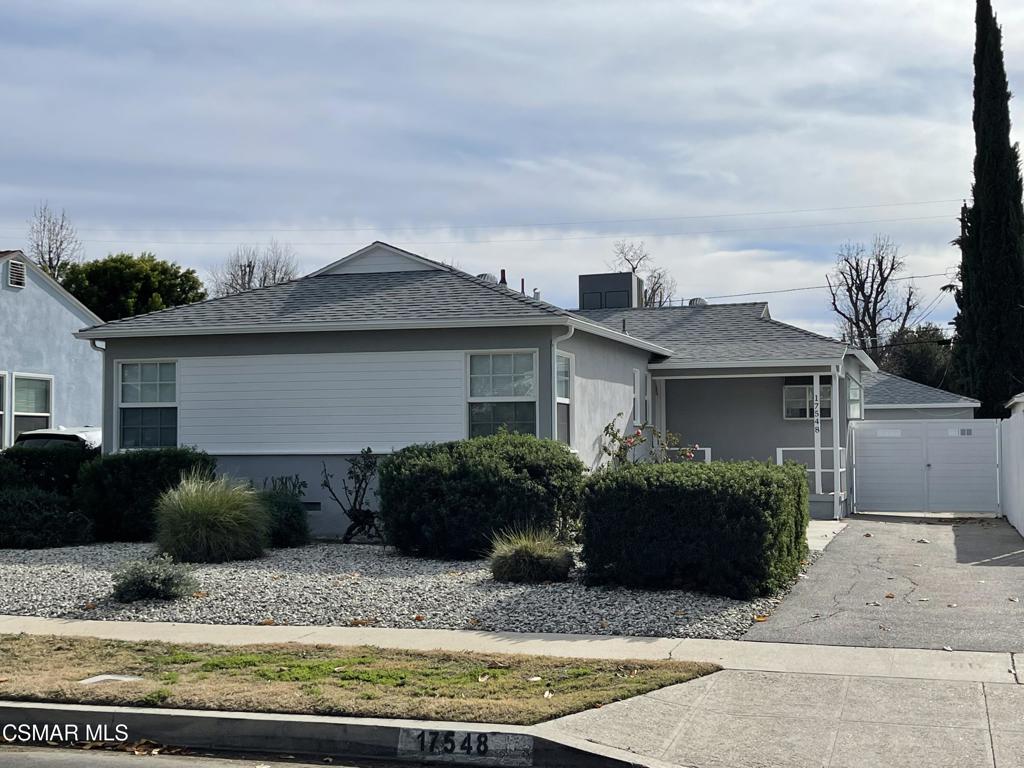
{"x":920,"y":354}
{"x":123,"y":285}
{"x":988,"y":351}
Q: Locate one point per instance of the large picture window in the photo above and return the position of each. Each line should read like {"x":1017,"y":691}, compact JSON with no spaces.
{"x":502,"y":393}
{"x":148,"y":405}
{"x":33,"y":403}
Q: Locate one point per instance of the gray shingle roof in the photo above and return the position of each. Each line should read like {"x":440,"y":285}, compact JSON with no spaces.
{"x":882,"y":388}
{"x":719,"y":333}
{"x":421,"y":296}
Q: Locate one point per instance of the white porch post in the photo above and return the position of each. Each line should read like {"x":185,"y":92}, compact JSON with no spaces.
{"x":816,"y":425}
{"x":837,"y":478}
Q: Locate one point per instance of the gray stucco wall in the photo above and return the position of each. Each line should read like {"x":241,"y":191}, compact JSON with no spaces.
{"x":38,"y":323}
{"x":603,"y":388}
{"x":891,"y":414}
{"x":741,"y":418}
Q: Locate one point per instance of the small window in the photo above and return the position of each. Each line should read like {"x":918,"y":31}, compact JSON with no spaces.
{"x":855,"y":409}
{"x":502,"y":393}
{"x":16,"y":274}
{"x":148,"y":412}
{"x":563,"y":399}
{"x":32,"y":404}
{"x":798,"y":401}
{"x":638,"y":417}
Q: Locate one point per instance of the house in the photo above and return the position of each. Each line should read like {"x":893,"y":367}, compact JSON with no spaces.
{"x":887,"y":396}
{"x":48,"y":378}
{"x":385,"y":348}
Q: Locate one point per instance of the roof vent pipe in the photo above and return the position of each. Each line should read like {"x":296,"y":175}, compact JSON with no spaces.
{"x":698,"y":302}
{"x":624,"y":326}
{"x":503,"y":281}
{"x":536,"y":294}
{"x":522,"y":285}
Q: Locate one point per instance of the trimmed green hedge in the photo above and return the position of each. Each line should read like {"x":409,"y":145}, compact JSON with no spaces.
{"x":31,"y":518}
{"x":732,"y":528}
{"x":48,"y":469}
{"x":118,"y":492}
{"x":449,"y":499}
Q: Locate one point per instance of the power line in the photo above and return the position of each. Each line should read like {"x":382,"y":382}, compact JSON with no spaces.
{"x":545,"y":239}
{"x":812,"y":287}
{"x":542,"y":225}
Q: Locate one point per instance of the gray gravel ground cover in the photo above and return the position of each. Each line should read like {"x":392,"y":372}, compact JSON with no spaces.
{"x":341,"y":585}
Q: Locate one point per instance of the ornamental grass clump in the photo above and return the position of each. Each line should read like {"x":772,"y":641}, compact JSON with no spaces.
{"x":159,"y":578}
{"x":530,"y":557}
{"x":212,"y":520}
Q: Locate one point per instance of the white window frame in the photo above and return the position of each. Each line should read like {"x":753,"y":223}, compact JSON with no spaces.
{"x":115,"y":439}
{"x":648,"y":399}
{"x":567,"y":400}
{"x":534,"y":398}
{"x":851,"y":383}
{"x":4,"y":394}
{"x":825,"y":402}
{"x":14,"y":414}
{"x":637,"y":398}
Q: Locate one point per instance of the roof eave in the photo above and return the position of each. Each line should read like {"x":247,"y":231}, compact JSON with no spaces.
{"x":776,"y":363}
{"x":897,"y":406}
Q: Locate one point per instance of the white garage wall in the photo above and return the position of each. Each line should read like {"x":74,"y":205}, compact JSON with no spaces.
{"x":1012,"y":478}
{"x":334,"y":403}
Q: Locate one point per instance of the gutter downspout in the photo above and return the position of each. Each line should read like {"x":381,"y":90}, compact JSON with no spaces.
{"x":554,"y":378}
{"x":93,"y":343}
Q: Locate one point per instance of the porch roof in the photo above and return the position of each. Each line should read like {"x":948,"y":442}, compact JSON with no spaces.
{"x":720,"y":334}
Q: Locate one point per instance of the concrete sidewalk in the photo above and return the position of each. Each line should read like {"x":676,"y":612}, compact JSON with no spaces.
{"x":736,"y":719}
{"x":729,"y":654}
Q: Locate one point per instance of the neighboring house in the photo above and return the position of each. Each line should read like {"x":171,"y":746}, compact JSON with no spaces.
{"x":385,"y":348}
{"x":887,"y":396}
{"x":48,"y":378}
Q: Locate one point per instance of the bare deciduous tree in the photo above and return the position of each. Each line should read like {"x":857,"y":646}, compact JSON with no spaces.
{"x":870,"y":307}
{"x":659,"y":285}
{"x":53,"y":243}
{"x":253,"y":267}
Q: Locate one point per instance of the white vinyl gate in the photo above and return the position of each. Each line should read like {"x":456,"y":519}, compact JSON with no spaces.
{"x":936,"y":465}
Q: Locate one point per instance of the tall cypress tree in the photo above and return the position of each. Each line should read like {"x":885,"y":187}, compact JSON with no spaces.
{"x":989,"y":347}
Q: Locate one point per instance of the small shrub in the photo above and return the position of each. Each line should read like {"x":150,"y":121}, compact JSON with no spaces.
{"x":449,"y":499}
{"x":159,"y":578}
{"x":119,"y":492}
{"x":289,"y":522}
{"x":206,"y":520}
{"x":51,"y":469}
{"x":529,"y":557}
{"x":732,"y":528}
{"x":31,"y":518}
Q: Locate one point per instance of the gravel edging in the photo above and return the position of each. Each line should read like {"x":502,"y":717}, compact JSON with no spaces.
{"x":337,"y":584}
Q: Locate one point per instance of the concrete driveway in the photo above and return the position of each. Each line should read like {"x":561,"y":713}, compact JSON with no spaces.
{"x":907,"y":583}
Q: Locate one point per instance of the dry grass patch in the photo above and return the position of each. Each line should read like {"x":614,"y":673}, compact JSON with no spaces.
{"x":326,"y":680}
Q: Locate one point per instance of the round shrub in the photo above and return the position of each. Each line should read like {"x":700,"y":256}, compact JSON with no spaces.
{"x":289,"y":522}
{"x":206,"y":520}
{"x":32,"y":519}
{"x":449,"y":499}
{"x":529,"y":557}
{"x":159,"y":578}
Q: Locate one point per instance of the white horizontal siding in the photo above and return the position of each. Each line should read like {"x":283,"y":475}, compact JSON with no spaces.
{"x":323,"y":403}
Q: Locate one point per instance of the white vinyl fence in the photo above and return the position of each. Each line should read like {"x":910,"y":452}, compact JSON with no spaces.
{"x":1012,"y":478}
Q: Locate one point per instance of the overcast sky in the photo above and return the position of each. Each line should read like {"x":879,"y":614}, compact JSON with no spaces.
{"x":522,"y":135}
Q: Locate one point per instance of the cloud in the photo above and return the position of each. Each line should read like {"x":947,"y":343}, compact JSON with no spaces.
{"x":187,"y":127}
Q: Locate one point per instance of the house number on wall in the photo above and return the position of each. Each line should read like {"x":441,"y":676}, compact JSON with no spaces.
{"x":817,"y":414}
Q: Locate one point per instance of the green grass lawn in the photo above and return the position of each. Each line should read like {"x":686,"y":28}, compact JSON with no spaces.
{"x":326,"y":680}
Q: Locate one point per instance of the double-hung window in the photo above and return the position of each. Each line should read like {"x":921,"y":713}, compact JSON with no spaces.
{"x":563,"y":397}
{"x":33,"y":403}
{"x":502,"y":393}
{"x":798,"y":401}
{"x":148,"y":405}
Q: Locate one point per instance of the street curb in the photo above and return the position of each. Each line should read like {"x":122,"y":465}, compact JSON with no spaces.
{"x":314,"y":735}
